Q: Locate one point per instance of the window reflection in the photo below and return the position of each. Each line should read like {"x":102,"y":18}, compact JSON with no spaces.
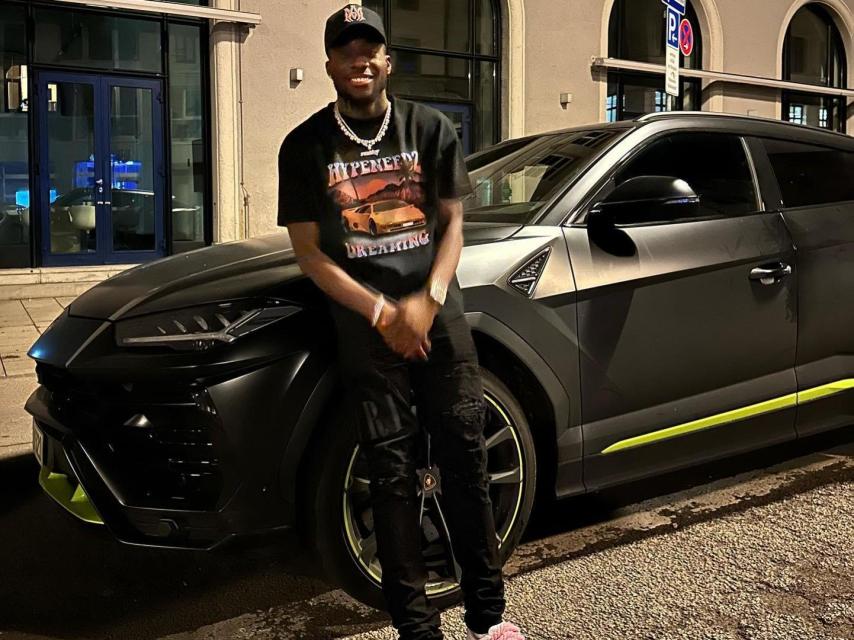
{"x":14,"y":154}
{"x":188,"y":141}
{"x":813,"y":54}
{"x":630,"y":37}
{"x":443,"y":25}
{"x":96,"y":40}
{"x":435,"y":76}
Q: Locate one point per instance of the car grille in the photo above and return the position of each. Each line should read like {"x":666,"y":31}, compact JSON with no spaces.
{"x":160,"y":445}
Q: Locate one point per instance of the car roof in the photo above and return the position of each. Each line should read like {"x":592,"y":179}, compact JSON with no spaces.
{"x":752,"y":125}
{"x":743,"y":124}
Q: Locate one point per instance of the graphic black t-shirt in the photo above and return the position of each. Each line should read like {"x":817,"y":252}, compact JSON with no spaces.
{"x":377,"y":210}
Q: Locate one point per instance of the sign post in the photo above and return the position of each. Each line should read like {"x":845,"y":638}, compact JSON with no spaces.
{"x":675,"y":11}
{"x":671,"y":83}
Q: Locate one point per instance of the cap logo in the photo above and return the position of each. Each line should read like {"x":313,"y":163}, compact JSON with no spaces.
{"x":354,"y":13}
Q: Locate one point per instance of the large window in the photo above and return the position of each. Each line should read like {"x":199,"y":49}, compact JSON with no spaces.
{"x":446,"y":53}
{"x":813,"y":53}
{"x":96,"y":40}
{"x":189,"y":146}
{"x":636,"y":32}
{"x":14,"y":156}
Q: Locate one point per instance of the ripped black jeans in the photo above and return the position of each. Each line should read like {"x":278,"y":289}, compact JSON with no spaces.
{"x":448,"y":396}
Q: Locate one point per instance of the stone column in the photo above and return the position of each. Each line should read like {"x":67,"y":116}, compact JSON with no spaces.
{"x":229,"y":221}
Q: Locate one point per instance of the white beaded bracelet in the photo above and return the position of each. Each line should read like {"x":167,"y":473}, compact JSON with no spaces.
{"x":378,"y":309}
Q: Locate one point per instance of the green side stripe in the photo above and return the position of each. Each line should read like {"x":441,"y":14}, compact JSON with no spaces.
{"x":825,"y":390}
{"x":784,"y":402}
{"x":73,"y":499}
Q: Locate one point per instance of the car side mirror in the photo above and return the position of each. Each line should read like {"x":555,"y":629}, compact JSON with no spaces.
{"x":646,"y":199}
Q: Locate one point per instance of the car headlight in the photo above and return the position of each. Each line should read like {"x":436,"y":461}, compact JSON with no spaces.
{"x":200,"y":328}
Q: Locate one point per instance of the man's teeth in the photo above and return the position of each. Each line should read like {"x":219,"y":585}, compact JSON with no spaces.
{"x":361,"y":80}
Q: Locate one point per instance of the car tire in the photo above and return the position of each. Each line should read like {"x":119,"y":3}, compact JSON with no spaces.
{"x":326,"y":504}
{"x":372,"y":227}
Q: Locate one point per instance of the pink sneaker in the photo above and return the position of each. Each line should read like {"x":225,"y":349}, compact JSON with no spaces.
{"x":502,"y":631}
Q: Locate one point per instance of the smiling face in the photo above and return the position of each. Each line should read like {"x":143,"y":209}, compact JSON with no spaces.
{"x":359,"y":69}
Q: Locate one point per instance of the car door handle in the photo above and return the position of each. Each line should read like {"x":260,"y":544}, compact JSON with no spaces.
{"x":770,"y":273}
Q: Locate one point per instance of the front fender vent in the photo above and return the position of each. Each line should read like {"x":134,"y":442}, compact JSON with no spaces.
{"x":526,"y":277}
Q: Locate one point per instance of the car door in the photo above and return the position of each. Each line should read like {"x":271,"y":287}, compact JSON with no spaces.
{"x":817,"y":203}
{"x":685,"y":354}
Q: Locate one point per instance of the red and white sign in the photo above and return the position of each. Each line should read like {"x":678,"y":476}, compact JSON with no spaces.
{"x":686,"y":37}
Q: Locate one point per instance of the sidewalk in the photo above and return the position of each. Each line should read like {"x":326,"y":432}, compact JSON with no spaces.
{"x":21,"y":323}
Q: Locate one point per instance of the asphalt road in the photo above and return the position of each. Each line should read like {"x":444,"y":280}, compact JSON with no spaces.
{"x":757,"y":548}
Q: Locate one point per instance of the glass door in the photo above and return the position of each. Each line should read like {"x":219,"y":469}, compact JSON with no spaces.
{"x":100,"y":168}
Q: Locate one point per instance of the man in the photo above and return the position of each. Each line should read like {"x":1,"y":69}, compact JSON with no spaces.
{"x":369,"y":188}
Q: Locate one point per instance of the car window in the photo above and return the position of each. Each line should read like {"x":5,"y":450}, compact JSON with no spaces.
{"x":388,"y":205}
{"x":811,"y":175}
{"x":715,"y":165}
{"x":512,"y":181}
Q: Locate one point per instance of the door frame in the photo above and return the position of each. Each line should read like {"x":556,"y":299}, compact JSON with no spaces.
{"x":101,"y":83}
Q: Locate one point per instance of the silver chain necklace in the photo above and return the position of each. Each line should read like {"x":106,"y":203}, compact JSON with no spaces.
{"x":368,"y":144}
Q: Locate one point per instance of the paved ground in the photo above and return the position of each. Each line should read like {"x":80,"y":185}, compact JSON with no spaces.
{"x":21,"y":323}
{"x":761,"y":556}
{"x":782,"y":571}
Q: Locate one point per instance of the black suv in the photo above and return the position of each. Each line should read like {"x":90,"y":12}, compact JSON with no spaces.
{"x":644,"y":296}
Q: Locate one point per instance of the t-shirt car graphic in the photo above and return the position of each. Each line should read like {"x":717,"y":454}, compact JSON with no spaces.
{"x":385,"y":216}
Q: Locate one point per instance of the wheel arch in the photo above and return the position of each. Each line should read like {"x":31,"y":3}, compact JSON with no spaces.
{"x":296,"y":460}
{"x":544,"y":400}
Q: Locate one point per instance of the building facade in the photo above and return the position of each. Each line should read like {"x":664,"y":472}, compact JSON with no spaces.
{"x":136,"y":129}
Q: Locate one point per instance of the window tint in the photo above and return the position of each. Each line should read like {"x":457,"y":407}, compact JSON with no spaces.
{"x":810,"y":175}
{"x":714,"y":165}
{"x":514,"y":180}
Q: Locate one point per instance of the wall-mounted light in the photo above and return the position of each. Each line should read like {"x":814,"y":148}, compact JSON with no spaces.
{"x":565,"y":99}
{"x":297,"y":76}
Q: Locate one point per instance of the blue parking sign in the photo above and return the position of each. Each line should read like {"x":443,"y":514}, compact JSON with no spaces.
{"x":676,"y":5}
{"x":673,"y":20}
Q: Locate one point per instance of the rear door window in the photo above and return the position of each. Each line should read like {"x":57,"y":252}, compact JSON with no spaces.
{"x":810,"y":174}
{"x":715,"y":166}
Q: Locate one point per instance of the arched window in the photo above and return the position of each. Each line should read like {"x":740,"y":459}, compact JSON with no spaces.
{"x":813,"y":53}
{"x":636,"y":32}
{"x":446,"y":53}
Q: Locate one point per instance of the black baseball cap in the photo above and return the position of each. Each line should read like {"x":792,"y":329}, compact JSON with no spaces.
{"x":350,"y":21}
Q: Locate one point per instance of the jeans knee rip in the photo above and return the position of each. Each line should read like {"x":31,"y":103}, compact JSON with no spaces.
{"x":470,"y":413}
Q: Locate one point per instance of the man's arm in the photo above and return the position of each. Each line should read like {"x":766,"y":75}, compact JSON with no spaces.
{"x":451,"y":246}
{"x":342,"y":287}
{"x":326,"y":274}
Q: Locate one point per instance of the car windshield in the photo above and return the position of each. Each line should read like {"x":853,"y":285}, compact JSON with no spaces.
{"x":514,"y":179}
{"x":388,"y":205}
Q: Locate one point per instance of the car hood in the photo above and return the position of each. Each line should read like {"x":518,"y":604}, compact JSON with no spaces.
{"x":233,"y":270}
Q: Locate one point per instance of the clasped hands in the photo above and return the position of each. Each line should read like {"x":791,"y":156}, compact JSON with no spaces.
{"x":404,"y":325}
